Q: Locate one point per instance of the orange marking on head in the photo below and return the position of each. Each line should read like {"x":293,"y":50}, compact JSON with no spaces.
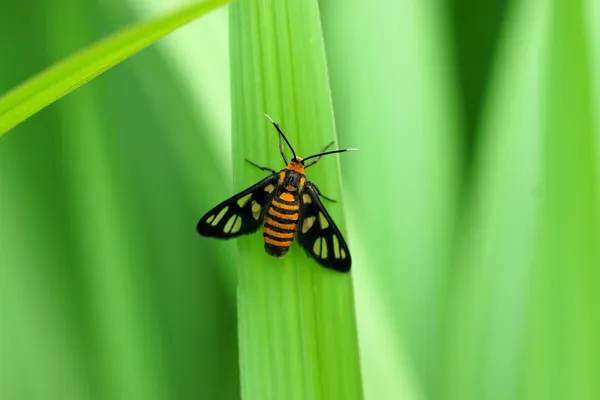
{"x":276,"y":224}
{"x":289,"y":217}
{"x":286,"y":196}
{"x":296,"y":166}
{"x":279,"y":234}
{"x":276,"y":242}
{"x":281,"y":177}
{"x":285,"y":206}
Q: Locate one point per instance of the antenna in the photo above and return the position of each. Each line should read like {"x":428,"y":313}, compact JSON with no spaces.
{"x":282,"y":136}
{"x":318,"y":156}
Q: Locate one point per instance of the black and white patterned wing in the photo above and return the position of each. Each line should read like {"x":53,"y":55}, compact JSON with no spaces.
{"x":240,"y":214}
{"x":318,"y":235}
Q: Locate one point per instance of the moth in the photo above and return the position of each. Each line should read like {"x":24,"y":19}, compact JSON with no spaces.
{"x":287,"y":206}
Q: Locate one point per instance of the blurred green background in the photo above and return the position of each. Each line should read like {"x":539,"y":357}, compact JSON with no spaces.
{"x":472,"y":207}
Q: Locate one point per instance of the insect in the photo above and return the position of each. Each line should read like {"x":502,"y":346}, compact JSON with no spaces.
{"x":287,"y":205}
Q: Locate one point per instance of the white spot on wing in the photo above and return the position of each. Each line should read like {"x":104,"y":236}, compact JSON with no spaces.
{"x":323,"y":248}
{"x":323,"y":221}
{"x":255,"y":210}
{"x":237,"y":225}
{"x":220,"y":215}
{"x":209,"y":220}
{"x":242,"y":201}
{"x":230,"y":223}
{"x":308,"y":223}
{"x":317,"y":247}
{"x":269,"y":188}
{"x":306,"y":198}
{"x":336,"y":247}
{"x":343,"y":254}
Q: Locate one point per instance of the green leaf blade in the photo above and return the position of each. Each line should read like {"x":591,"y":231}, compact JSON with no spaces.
{"x":561,"y":356}
{"x":297,"y":323}
{"x":50,"y":85}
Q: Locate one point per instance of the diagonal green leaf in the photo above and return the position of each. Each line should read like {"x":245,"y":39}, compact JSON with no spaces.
{"x":69,"y":74}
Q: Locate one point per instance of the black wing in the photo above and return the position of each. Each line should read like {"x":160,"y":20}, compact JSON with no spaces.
{"x":240,"y":214}
{"x":318,"y":234}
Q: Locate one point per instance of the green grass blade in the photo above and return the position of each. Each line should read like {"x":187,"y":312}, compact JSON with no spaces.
{"x":297,"y":323}
{"x":561,"y":346}
{"x":393,"y":99}
{"x":66,"y":76}
{"x":106,"y":289}
{"x":487,"y":304}
{"x":528,"y":248}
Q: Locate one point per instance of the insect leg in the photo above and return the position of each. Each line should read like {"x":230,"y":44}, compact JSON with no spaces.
{"x":261,"y":168}
{"x":321,"y":194}
{"x":316,"y":160}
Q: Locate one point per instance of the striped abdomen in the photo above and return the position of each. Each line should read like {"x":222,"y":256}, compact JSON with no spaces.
{"x":280,"y":224}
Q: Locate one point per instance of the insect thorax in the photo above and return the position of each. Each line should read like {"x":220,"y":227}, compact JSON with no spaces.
{"x":291,"y":181}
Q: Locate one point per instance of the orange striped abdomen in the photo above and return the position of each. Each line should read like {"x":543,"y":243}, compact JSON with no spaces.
{"x":280,"y":224}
